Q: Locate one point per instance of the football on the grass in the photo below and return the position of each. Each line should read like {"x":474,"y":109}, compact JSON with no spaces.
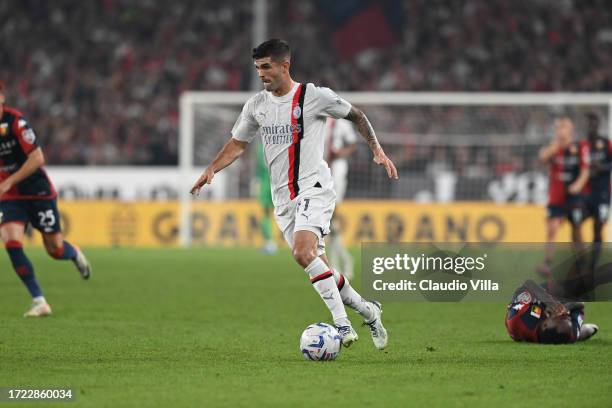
{"x":320,"y":342}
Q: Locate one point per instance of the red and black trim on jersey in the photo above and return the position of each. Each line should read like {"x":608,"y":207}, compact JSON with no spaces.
{"x":17,"y":141}
{"x":297,"y":130}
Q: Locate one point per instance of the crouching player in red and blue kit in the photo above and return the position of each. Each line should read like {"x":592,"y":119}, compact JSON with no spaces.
{"x":27,"y":196}
{"x":535,"y":316}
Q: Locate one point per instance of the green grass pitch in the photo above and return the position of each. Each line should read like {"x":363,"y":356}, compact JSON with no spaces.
{"x":220,"y":327}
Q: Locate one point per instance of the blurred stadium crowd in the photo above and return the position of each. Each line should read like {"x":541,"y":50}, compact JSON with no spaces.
{"x":100,"y":79}
{"x":472,"y":45}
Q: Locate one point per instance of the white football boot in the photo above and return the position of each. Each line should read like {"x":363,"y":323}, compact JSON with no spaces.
{"x":82,"y":264}
{"x":377,"y":330}
{"x":348,"y":334}
{"x":38,"y":309}
{"x":587,"y":330}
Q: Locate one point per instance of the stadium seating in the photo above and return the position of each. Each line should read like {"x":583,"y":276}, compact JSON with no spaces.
{"x":112,"y":71}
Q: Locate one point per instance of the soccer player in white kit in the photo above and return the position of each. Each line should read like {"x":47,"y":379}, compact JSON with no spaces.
{"x":340,"y":144}
{"x":290,"y":117}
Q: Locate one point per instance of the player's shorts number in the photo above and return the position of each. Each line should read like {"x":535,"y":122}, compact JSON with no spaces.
{"x":302,"y":207}
{"x":47,"y":218}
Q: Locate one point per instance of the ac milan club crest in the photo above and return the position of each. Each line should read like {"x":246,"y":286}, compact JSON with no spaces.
{"x":297,"y":112}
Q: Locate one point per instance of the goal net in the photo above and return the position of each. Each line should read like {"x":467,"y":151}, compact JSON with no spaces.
{"x":447,"y":146}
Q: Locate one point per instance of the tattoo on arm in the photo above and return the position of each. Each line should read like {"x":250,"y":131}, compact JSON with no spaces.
{"x":364,"y":127}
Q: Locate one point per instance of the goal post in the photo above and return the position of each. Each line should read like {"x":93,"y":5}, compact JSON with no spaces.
{"x":514,"y":124}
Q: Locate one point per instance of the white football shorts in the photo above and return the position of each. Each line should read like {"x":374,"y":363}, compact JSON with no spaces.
{"x":311,"y":210}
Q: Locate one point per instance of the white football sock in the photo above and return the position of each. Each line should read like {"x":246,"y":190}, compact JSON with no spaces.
{"x":333,"y":250}
{"x":352,"y":299}
{"x":347,"y":259}
{"x":324,"y":283}
{"x":339,"y":256}
{"x":39,"y":300}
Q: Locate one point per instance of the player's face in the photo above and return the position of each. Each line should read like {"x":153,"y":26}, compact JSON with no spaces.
{"x":271,"y":72}
{"x":564,"y":131}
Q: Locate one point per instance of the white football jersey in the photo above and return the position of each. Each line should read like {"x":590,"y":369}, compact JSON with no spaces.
{"x":340,"y":133}
{"x":292,"y":129}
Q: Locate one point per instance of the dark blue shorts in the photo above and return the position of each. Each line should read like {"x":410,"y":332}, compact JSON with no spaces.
{"x":556,"y":211}
{"x":42,"y":214}
{"x":577,"y":210}
{"x":599,"y":208}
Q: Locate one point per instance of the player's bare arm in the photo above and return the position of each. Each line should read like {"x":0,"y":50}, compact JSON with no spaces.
{"x":34,"y":161}
{"x":367,"y":132}
{"x":548,"y":152}
{"x":580,"y":182}
{"x":228,"y":154}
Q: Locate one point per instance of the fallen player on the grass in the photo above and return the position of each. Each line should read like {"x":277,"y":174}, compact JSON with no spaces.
{"x":535,"y":316}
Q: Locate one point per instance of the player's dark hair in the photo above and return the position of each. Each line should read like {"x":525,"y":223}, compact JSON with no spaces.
{"x":592,"y":116}
{"x":593,"y":124}
{"x":558,"y":331}
{"x":276,"y":49}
